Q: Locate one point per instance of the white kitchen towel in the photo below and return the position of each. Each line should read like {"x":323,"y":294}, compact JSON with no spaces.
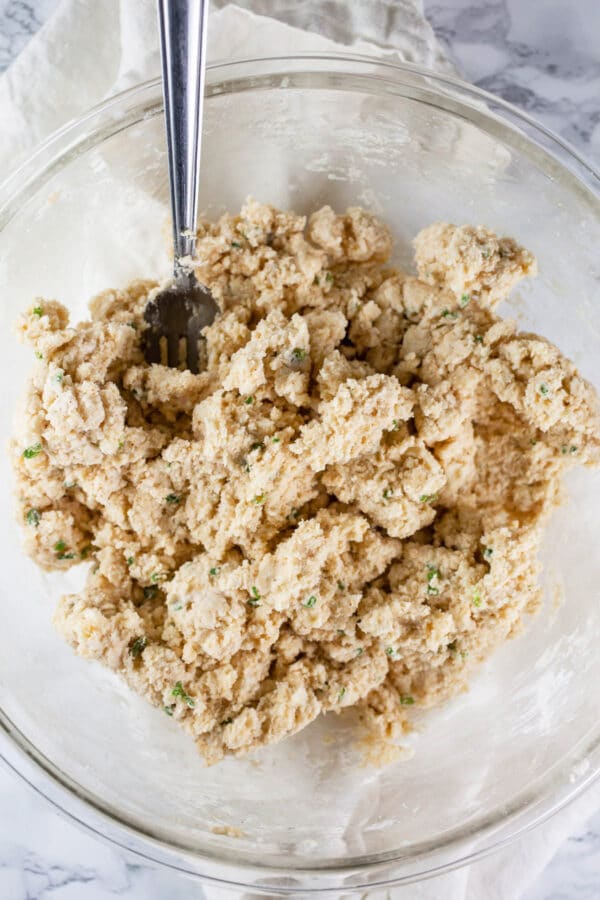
{"x":90,"y":49}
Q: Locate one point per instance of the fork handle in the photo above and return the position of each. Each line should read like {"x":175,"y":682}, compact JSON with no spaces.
{"x":182,"y":30}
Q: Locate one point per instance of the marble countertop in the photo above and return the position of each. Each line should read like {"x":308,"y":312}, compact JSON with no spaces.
{"x":543,"y":56}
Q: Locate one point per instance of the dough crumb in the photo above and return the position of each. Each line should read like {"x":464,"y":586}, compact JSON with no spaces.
{"x":343,"y":510}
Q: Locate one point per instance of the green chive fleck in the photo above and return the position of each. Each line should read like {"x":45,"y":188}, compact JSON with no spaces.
{"x":448,"y":314}
{"x":329,"y":278}
{"x":33,"y":517}
{"x":406,"y":701}
{"x":452,"y":646}
{"x":428,"y":498}
{"x":249,"y":400}
{"x":341,"y":586}
{"x":60,"y":546}
{"x":276,"y":440}
{"x":179,"y":691}
{"x":254,"y":596}
{"x":169,"y":709}
{"x":130,"y":560}
{"x":478,"y":339}
{"x":227,"y":721}
{"x":387,"y":494}
{"x":433,"y":574}
{"x":38,"y":311}
{"x":58,"y":377}
{"x":395,"y":425}
{"x":259,"y":498}
{"x":34,"y":450}
{"x":172,"y":498}
{"x":138,"y":647}
{"x":464,"y":300}
{"x":298,"y":354}
{"x":390,"y":651}
{"x":38,"y":355}
{"x":488,"y":553}
{"x":150,"y":592}
{"x":236,"y":244}
{"x":214,"y":571}
{"x":312,"y":601}
{"x":341,"y":693}
{"x":360,"y":651}
{"x":544,"y":389}
{"x":476,"y":598}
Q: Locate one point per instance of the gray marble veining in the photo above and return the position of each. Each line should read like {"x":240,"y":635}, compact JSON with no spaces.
{"x":543,"y":56}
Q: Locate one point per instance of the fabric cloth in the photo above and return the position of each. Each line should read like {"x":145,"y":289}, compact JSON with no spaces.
{"x":111,"y":45}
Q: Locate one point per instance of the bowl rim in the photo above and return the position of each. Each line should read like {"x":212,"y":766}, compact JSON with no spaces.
{"x":22,"y":757}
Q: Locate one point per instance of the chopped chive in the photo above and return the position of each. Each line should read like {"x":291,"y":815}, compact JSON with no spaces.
{"x":298,"y":354}
{"x":395,"y":425}
{"x":173,"y":498}
{"x":169,"y":709}
{"x":476,"y":598}
{"x":387,"y":494}
{"x":59,"y":376}
{"x":544,"y":389}
{"x":179,"y":691}
{"x":249,"y":400}
{"x":33,"y":517}
{"x":341,"y":693}
{"x":150,"y":592}
{"x":390,"y":651}
{"x":227,"y":721}
{"x":341,"y":586}
{"x":433,"y":575}
{"x":312,"y":601}
{"x":259,"y":498}
{"x":276,"y":440}
{"x":449,"y":314}
{"x":60,"y":546}
{"x":38,"y":311}
{"x":236,"y":244}
{"x":452,"y":646}
{"x":34,"y":450}
{"x":488,"y":553}
{"x":478,"y":339}
{"x":464,"y":300}
{"x":130,"y":560}
{"x":254,"y":596}
{"x":360,"y":651}
{"x":406,"y":701}
{"x":428,"y":498}
{"x":138,"y":647}
{"x":214,"y":571}
{"x":38,"y":355}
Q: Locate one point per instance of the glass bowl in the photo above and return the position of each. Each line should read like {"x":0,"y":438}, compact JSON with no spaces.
{"x":89,"y":211}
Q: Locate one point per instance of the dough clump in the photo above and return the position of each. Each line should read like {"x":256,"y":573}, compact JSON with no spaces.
{"x":344,"y":510}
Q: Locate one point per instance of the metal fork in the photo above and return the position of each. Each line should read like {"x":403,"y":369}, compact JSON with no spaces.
{"x":177,"y":314}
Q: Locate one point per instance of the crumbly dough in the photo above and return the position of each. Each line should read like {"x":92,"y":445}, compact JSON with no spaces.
{"x":344,"y":510}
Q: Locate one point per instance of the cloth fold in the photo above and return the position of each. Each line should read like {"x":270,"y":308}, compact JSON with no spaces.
{"x":90,"y":50}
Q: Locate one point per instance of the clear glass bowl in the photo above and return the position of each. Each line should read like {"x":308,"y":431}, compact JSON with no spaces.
{"x":88,"y":211}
